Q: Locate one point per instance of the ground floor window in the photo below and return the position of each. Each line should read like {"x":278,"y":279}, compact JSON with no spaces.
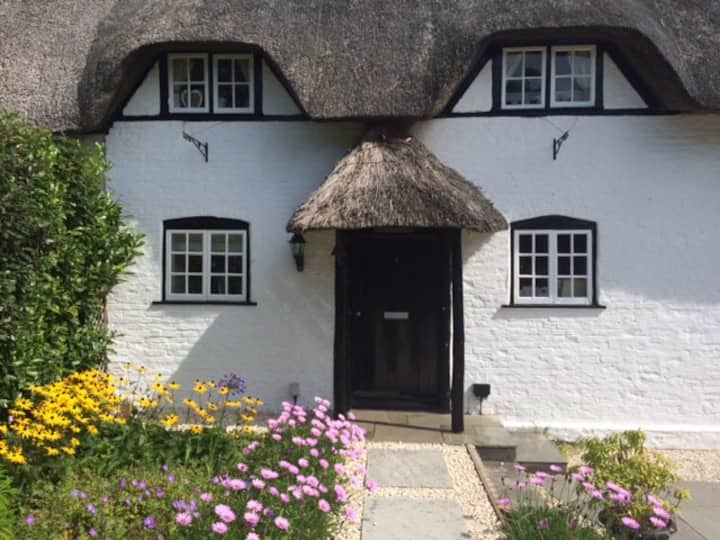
{"x":554,"y":261}
{"x":206,"y":260}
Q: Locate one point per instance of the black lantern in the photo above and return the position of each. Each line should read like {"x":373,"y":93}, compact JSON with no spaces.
{"x":297,"y":244}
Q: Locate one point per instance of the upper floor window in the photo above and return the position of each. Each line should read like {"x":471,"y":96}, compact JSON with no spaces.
{"x":204,"y":83}
{"x":529,"y":81}
{"x":554,"y":261}
{"x":206,"y":260}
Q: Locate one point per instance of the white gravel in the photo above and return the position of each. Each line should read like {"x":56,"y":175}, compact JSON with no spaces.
{"x":467,"y":489}
{"x":700,"y":465}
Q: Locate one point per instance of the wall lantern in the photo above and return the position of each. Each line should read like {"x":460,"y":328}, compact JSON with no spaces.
{"x":297,"y":244}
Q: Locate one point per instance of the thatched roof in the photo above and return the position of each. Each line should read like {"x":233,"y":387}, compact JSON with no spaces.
{"x":395,"y":182}
{"x":67,"y":64}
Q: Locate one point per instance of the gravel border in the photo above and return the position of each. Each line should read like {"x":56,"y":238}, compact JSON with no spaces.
{"x":467,"y":491}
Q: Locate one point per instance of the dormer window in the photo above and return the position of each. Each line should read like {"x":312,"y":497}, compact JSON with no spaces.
{"x":530,"y":81}
{"x":233,"y":82}
{"x":188,"y":82}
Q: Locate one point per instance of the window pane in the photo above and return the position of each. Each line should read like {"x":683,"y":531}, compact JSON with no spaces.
{"x":242,"y":70}
{"x":541,"y":243}
{"x":563,"y":241}
{"x":197,"y":69}
{"x":242,"y":96}
{"x":525,"y":287}
{"x":197,"y":95}
{"x":513,"y":92}
{"x":542,"y":287}
{"x":513,"y":64}
{"x":580,"y":266}
{"x":217,"y":242}
{"x":178,"y":263}
{"x":195,"y":263}
{"x":195,"y":284}
{"x":224,"y":73}
{"x":195,"y":242}
{"x":562,"y":63}
{"x":179,"y":69}
{"x":562,"y":89}
{"x":235,"y":243}
{"x":581,"y":89}
{"x":564,"y":266}
{"x":217,"y":285}
{"x":525,"y":243}
{"x":580,"y":288}
{"x":526,"y":265}
{"x":533,"y":64}
{"x":177,"y":285}
{"x":179,"y":96}
{"x":178,"y":242}
{"x":217,"y":263}
{"x":225,"y":95}
{"x":235,"y":285}
{"x":582,"y":63}
{"x":235,"y":264}
{"x":565,"y":287}
{"x":580,"y":243}
{"x":541,"y":266}
{"x":533,"y":88}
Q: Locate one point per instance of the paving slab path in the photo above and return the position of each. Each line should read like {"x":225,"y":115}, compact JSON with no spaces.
{"x":425,"y":491}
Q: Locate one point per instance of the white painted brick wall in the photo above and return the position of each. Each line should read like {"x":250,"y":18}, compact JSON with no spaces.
{"x":651,"y":359}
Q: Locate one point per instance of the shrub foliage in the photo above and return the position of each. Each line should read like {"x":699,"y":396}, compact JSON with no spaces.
{"x":63,"y":245}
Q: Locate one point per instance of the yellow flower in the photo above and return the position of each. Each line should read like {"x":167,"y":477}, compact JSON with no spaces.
{"x":212,"y":406}
{"x":23,"y":404}
{"x":74,"y":441}
{"x":170,"y":420}
{"x":3,"y":429}
{"x":224,"y":390}
{"x":247,"y":418}
{"x":200,"y":387}
{"x":92,"y":430}
{"x":174,"y":386}
{"x":196,"y":430}
{"x":210,"y":384}
{"x":141,"y":370}
{"x":68,"y":450}
{"x":52,"y":451}
{"x":233,"y":404}
{"x":159,"y":388}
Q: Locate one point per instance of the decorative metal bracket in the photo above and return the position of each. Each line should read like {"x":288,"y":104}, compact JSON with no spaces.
{"x":201,"y":146}
{"x":557,"y":144}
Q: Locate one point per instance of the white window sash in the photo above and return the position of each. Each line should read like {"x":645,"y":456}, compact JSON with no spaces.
{"x":251,"y":83}
{"x":553,"y":298}
{"x":543,"y":78}
{"x":205,"y":296}
{"x":573,"y":48}
{"x":171,"y":83}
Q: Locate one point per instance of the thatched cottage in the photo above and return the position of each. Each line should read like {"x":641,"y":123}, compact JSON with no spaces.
{"x":408,"y":204}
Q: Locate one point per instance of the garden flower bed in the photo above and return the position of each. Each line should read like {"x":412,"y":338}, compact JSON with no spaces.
{"x":89,"y":463}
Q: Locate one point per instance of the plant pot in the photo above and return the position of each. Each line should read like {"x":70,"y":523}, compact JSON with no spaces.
{"x":643,"y":534}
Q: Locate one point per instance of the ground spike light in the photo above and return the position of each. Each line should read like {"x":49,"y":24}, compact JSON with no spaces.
{"x":297,"y":244}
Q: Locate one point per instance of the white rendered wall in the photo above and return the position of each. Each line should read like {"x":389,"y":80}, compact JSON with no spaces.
{"x":259,"y":172}
{"x":478,"y":96}
{"x":618,"y":93}
{"x":276,"y":100}
{"x":146,"y":99}
{"x":652,"y":358}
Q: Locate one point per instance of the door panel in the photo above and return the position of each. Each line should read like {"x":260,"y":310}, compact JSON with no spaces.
{"x":399,"y":321}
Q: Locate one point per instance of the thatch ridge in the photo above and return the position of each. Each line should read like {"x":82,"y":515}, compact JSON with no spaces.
{"x":395,"y":182}
{"x":66,"y":63}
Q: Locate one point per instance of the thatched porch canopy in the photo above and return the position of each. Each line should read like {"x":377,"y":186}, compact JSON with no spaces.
{"x":395,"y":182}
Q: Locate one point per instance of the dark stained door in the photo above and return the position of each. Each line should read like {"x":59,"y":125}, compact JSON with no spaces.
{"x":399,"y":320}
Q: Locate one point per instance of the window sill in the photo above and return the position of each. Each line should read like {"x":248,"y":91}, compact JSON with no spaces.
{"x":202,"y":303}
{"x":555,"y":306}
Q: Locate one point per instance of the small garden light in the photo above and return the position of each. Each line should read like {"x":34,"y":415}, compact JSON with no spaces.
{"x":297,"y":244}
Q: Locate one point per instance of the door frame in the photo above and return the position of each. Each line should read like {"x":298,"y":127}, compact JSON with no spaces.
{"x":453,"y":392}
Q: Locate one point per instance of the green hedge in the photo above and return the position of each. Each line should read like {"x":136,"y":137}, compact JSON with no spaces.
{"x":63,"y":245}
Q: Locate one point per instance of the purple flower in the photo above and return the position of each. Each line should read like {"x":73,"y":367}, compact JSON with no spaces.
{"x":219,"y":528}
{"x":657,"y":522}
{"x":252,"y":536}
{"x":165,"y":468}
{"x":268,"y":474}
{"x":171,"y":479}
{"x":282,"y":523}
{"x":184,"y":519}
{"x":91,"y":508}
{"x":341,"y":494}
{"x":597,"y":494}
{"x":149,"y":522}
{"x":251,"y":518}
{"x":577,"y":477}
{"x":122,"y":483}
{"x":92,"y":533}
{"x":233,"y":382}
{"x":520,"y":468}
{"x":352,"y":515}
{"x":30,"y":520}
{"x":652,"y":499}
{"x":556,"y":469}
{"x":324,"y":506}
{"x":75,"y":494}
{"x":504,"y":503}
{"x":225,"y":513}
{"x":630,"y":523}
{"x":586,"y":470}
{"x":543,"y":524}
{"x":537,"y":481}
{"x":542,"y":474}
{"x":661,"y":512}
{"x":206,"y":497}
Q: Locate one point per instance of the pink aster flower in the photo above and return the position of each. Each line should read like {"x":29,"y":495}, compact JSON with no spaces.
{"x":304,"y":463}
{"x":324,"y":463}
{"x":324,"y":506}
{"x":276,"y":437}
{"x":542,"y":474}
{"x":268,"y":474}
{"x":597,"y":494}
{"x":652,"y":499}
{"x":371,"y":486}
{"x":242,"y":467}
{"x":661,"y":512}
{"x":537,"y":481}
{"x":504,"y":503}
{"x":659,"y":523}
{"x":282,"y":523}
{"x":258,"y":484}
{"x":206,"y":497}
{"x":184,"y":519}
{"x":254,"y":506}
{"x":352,"y":515}
{"x":577,"y":477}
{"x":630,"y":523}
{"x":225,"y":513}
{"x":556,"y":469}
{"x":520,"y":468}
{"x":586,"y":470}
{"x":340,"y":468}
{"x":252,"y":536}
{"x":341,"y":494}
{"x":251,"y":518}
{"x":219,"y":528}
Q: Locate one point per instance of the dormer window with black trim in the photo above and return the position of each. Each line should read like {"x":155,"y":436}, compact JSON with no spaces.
{"x":188,"y":83}
{"x":548,"y":77}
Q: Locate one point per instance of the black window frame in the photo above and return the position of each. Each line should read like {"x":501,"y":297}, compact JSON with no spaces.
{"x":208,"y":223}
{"x":556,"y":222}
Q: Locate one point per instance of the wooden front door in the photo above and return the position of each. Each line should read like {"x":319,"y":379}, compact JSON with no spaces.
{"x":398,"y":320}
